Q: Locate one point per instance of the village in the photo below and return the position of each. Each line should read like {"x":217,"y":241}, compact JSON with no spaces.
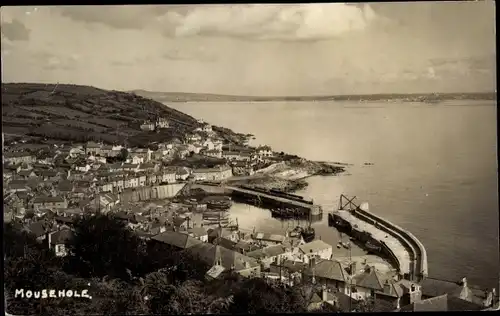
{"x":48,"y":186}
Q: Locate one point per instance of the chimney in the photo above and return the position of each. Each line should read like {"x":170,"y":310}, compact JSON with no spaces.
{"x":324,"y":293}
{"x":352,"y":268}
{"x":464,"y":282}
{"x":387,"y":287}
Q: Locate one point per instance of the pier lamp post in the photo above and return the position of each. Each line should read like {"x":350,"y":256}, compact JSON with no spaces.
{"x":351,"y":275}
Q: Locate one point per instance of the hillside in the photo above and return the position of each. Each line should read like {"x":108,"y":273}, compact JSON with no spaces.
{"x":421,"y":97}
{"x":83,"y":113}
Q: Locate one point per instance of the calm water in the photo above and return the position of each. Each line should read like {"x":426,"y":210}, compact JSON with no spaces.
{"x":434,"y":172}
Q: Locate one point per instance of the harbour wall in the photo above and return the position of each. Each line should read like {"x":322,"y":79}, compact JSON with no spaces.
{"x":419,"y":264}
{"x":156,"y":192}
{"x":213,"y":189}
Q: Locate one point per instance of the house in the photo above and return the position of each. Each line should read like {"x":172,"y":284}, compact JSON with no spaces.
{"x":26,"y":174}
{"x":147,"y":126}
{"x":40,"y":229}
{"x":193,"y":138}
{"x":213,"y":153}
{"x":152,"y":179}
{"x":182,"y":174}
{"x":213,"y":174}
{"x":317,"y":249}
{"x":231,"y":155}
{"x":93,"y":148}
{"x":14,"y":187}
{"x":82,"y":167}
{"x":229,"y":260}
{"x":207,"y":128}
{"x":75,"y":152}
{"x":168,"y":175}
{"x":162,"y":123}
{"x":65,"y":186}
{"x":141,"y":153}
{"x":50,"y":202}
{"x":369,"y":283}
{"x":130,"y":167}
{"x":105,"y":202}
{"x":105,"y":186}
{"x":59,"y":241}
{"x":463,"y":290}
{"x":269,"y":239}
{"x":221,"y":232}
{"x":217,"y":144}
{"x":329,"y":273}
{"x":442,"y":303}
{"x":18,"y":157}
{"x":176,"y":240}
{"x":269,"y":255}
{"x":147,"y":167}
{"x":199,"y":233}
{"x":208,"y":144}
{"x":264,"y":151}
{"x":315,"y":298}
{"x":49,"y":175}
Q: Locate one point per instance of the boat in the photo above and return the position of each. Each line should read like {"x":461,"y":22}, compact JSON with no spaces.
{"x":346,"y":245}
{"x":339,"y":245}
{"x":308,"y":234}
{"x":219,"y":204}
{"x":371,"y":246}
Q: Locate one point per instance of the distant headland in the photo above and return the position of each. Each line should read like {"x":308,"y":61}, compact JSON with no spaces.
{"x":393,"y":97}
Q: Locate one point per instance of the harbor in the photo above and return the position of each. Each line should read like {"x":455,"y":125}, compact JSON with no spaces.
{"x":380,"y":236}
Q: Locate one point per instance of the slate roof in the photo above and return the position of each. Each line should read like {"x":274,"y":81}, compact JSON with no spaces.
{"x":314,"y":246}
{"x":217,"y":255}
{"x":48,"y":199}
{"x":198,"y":231}
{"x":39,"y":228}
{"x":61,"y":237}
{"x":433,"y":287}
{"x":176,"y":239}
{"x":369,"y":279}
{"x":269,"y":237}
{"x":328,"y":269}
{"x":441,"y":303}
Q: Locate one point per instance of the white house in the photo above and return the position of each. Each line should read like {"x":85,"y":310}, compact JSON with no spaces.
{"x":199,"y":233}
{"x":207,"y":128}
{"x":315,"y":249}
{"x":162,"y":123}
{"x":59,"y":240}
{"x":208,"y":144}
{"x":213,"y":153}
{"x":148,"y":126}
{"x":264,"y":151}
{"x":168,"y":175}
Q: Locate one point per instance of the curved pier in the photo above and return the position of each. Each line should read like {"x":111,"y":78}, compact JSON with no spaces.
{"x":406,"y":252}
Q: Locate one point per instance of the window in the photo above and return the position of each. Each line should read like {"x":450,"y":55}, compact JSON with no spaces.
{"x":372,"y":293}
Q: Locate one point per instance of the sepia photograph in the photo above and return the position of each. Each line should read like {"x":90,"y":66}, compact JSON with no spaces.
{"x":250,"y":158}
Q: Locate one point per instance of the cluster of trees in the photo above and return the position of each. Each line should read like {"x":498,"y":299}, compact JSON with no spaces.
{"x":128,"y":275}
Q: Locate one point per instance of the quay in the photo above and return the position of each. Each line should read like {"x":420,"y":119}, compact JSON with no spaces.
{"x":261,"y":197}
{"x":268,"y":198}
{"x":401,"y":247}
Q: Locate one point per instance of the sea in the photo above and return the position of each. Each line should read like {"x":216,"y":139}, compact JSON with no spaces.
{"x":434,"y":170}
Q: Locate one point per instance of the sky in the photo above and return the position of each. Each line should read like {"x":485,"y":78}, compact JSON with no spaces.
{"x":245,"y":49}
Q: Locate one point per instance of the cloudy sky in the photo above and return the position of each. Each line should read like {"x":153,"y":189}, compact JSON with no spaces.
{"x":310,"y":49}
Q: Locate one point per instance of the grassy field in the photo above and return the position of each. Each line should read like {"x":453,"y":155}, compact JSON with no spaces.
{"x":82,"y":113}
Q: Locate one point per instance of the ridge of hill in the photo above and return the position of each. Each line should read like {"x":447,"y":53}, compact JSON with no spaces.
{"x":415,"y":97}
{"x":76,"y":113}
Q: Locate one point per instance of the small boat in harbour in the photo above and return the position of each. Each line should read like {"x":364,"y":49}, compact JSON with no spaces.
{"x":346,"y":245}
{"x":371,"y":246}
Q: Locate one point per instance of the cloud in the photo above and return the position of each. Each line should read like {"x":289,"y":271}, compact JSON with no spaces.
{"x":121,"y":17}
{"x":246,"y":21}
{"x":15,"y":31}
{"x":273,"y":22}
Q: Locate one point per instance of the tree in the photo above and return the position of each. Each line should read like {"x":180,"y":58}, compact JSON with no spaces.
{"x":123,"y":155}
{"x":101,"y":246}
{"x":257,"y":296}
